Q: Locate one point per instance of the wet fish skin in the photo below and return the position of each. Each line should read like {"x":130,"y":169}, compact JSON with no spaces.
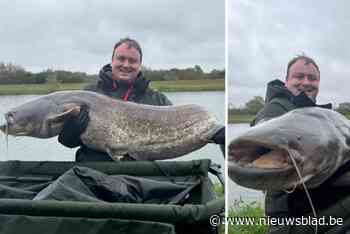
{"x":143,"y":132}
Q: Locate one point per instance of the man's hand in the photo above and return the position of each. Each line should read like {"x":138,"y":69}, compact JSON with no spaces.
{"x":219,"y":137}
{"x":73,"y":127}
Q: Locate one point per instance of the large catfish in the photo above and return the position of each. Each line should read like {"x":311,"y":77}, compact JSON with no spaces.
{"x":119,"y":128}
{"x":313,"y":140}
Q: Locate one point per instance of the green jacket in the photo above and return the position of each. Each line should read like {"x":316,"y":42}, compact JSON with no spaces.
{"x":279,"y":100}
{"x":138,"y":91}
{"x":327,"y":199}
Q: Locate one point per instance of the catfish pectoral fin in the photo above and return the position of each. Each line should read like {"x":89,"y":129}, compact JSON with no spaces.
{"x":123,"y":158}
{"x":72,"y":110}
{"x":117,"y":155}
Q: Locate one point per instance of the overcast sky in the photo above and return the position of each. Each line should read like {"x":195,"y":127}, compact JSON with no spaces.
{"x":79,"y":35}
{"x":265,"y":35}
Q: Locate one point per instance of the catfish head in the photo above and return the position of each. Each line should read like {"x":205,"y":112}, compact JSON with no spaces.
{"x":306,"y":145}
{"x":40,"y":118}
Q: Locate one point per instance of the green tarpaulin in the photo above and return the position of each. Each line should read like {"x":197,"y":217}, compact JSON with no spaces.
{"x":188,"y":212}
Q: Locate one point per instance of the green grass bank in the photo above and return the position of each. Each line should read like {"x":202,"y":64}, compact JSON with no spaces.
{"x":163,"y":86}
{"x":240,"y":211}
{"x":234,"y":119}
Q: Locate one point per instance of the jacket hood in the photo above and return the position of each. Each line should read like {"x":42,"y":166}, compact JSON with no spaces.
{"x":276,"y":88}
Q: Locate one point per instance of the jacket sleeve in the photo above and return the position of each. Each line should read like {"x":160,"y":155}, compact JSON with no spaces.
{"x":162,"y":100}
{"x":73,"y":127}
{"x":166,"y":101}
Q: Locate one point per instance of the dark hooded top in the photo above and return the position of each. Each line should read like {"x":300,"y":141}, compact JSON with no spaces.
{"x":280,"y":100}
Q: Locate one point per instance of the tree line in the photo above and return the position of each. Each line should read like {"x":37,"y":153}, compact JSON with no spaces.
{"x":16,"y":74}
{"x":253,"y":106}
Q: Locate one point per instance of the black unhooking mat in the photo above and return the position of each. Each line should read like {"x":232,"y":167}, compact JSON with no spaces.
{"x":85,"y":184}
{"x":107,"y":197}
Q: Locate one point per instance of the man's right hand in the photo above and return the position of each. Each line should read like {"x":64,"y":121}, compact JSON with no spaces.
{"x":73,"y":127}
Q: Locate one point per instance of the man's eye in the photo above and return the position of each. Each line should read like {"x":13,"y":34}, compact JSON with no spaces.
{"x":132,"y":61}
{"x":299,"y":76}
{"x":311,"y":77}
{"x":121,"y":58}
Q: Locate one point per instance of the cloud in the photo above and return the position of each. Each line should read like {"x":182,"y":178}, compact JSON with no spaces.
{"x":264,"y":36}
{"x":80,"y":35}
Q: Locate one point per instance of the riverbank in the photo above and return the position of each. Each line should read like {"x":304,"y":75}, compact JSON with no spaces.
{"x":163,"y":86}
{"x":241,"y":214}
{"x":236,"y":119}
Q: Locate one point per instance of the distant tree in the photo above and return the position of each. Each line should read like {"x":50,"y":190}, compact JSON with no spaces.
{"x":198,"y":69}
{"x":70,"y":77}
{"x":15,"y":74}
{"x":344,"y":108}
{"x":170,"y":75}
{"x":215,"y":74}
{"x":153,"y":74}
{"x":40,"y":78}
{"x":253,"y":106}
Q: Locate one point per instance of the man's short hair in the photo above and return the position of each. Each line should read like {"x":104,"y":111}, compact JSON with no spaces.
{"x":131,"y":43}
{"x":301,"y":57}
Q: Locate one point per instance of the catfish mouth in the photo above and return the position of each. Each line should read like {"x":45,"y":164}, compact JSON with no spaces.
{"x":5,"y":126}
{"x":9,"y":128}
{"x":262,"y":166}
{"x":259,"y":156}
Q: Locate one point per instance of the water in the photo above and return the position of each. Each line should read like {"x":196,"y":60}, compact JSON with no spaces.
{"x":236,"y":192}
{"x":215,"y":103}
{"x":34,"y":149}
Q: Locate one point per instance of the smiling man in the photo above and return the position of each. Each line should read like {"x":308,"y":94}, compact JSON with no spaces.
{"x":123,"y":79}
{"x":299,"y":90}
{"x":303,"y":75}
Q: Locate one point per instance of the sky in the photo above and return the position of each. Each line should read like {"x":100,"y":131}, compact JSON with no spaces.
{"x":264,"y":35}
{"x":79,"y":35}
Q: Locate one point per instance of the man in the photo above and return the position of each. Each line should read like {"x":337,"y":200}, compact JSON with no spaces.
{"x":300,"y":90}
{"x":123,"y":80}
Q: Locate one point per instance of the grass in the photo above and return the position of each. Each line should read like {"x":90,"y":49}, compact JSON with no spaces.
{"x":219,"y":189}
{"x":24,"y":89}
{"x":163,"y":86}
{"x":246,"y":209}
{"x":189,"y":85}
{"x":233,"y":119}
